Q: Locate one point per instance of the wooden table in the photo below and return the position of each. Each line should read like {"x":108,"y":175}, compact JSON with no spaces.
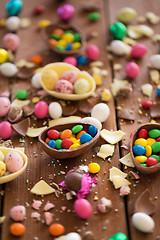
{"x":40,"y":165}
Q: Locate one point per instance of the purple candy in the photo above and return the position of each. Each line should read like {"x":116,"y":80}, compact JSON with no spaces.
{"x":66,"y":12}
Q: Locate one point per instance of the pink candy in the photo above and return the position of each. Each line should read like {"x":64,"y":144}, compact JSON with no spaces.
{"x":70,"y":60}
{"x":138,"y":50}
{"x":11,"y":41}
{"x":66,"y":12}
{"x":5,"y":130}
{"x":17,"y":213}
{"x":41,"y":109}
{"x":92,"y":52}
{"x":70,"y":76}
{"x":132,"y":70}
{"x":4,"y":106}
{"x":64,"y":86}
{"x":83,"y":208}
{"x":13,"y":161}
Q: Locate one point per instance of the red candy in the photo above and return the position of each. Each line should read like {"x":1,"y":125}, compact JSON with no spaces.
{"x":39,"y":9}
{"x":66,"y":143}
{"x":151,"y":161}
{"x":147,"y":104}
{"x":143,"y":133}
{"x":138,"y":50}
{"x":158,"y":139}
{"x":53,"y":134}
{"x":132,"y":70}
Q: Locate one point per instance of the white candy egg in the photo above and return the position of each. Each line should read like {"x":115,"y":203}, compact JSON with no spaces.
{"x":13,"y":23}
{"x":143,"y":222}
{"x":92,"y":120}
{"x":119,"y":48}
{"x":8,"y":69}
{"x":55,"y":110}
{"x":100,"y":111}
{"x":72,"y":235}
{"x":36,"y":80}
{"x":155,"y":61}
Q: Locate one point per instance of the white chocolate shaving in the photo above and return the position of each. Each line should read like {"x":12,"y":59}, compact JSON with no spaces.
{"x":114,"y":172}
{"x":112,"y":136}
{"x":42,"y":188}
{"x":119,"y":181}
{"x":64,"y":120}
{"x":116,"y":86}
{"x":34,"y":132}
{"x":147,"y":89}
{"x":20,"y":103}
{"x":105,"y":151}
{"x":20,"y":149}
{"x":127,"y":160}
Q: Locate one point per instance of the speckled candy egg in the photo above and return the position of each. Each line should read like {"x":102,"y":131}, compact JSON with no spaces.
{"x":66,"y":12}
{"x":11,"y":41}
{"x":41,"y":109}
{"x":83,"y":208}
{"x":72,"y":236}
{"x":2,"y":168}
{"x":55,"y":110}
{"x":13,"y":23}
{"x":8,"y":69}
{"x":36,"y":80}
{"x":81,"y":86}
{"x":70,"y":76}
{"x":17,"y":213}
{"x":5,"y":130}
{"x":64,"y":86}
{"x":13,"y":161}
{"x":4,"y":106}
{"x":100,"y":111}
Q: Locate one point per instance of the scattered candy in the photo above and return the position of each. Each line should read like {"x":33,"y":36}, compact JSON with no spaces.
{"x":126,"y":15}
{"x":101,"y":112}
{"x":39,"y":9}
{"x":83,"y":208}
{"x":56,"y":229}
{"x":66,"y":12}
{"x":13,"y":23}
{"x":55,"y":110}
{"x":14,"y":7}
{"x":92,"y":52}
{"x":70,"y":60}
{"x":143,"y":222}
{"x":118,"y":236}
{"x":155,"y":61}
{"x":138,"y":50}
{"x":18,"y":213}
{"x":11,"y":41}
{"x":72,"y":235}
{"x":35,"y":81}
{"x":8,"y":69}
{"x":94,"y":16}
{"x":3,"y":55}
{"x":119,"y":48}
{"x":118,"y":30}
{"x":132,"y":70}
{"x":4,"y":106}
{"x":41,"y":110}
{"x":5,"y":130}
{"x":21,"y":94}
{"x":147,"y":104}
{"x":37,"y":59}
{"x":17,"y":229}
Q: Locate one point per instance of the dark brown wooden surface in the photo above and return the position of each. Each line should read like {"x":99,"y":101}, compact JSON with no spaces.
{"x":41,"y":166}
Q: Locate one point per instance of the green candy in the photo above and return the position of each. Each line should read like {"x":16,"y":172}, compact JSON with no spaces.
{"x":93,"y":16}
{"x":77,"y":129}
{"x":154,"y":133}
{"x":156,"y":147}
{"x":144,"y":164}
{"x":77,"y":37}
{"x":118,"y":30}
{"x":58,"y":144}
{"x":61,"y":48}
{"x":21,"y":94}
{"x":118,"y":236}
{"x":156,"y":157}
{"x":55,"y":36}
{"x":68,"y":31}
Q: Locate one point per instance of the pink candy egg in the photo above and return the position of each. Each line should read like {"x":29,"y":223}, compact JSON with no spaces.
{"x":83,"y":208}
{"x":70,"y":76}
{"x":17,"y":213}
{"x":92,"y":52}
{"x":132,"y":70}
{"x":41,"y":109}
{"x":13,"y":161}
{"x":66,"y":12}
{"x":5,"y":130}
{"x":4,"y":106}
{"x":138,"y":50}
{"x":11,"y":41}
{"x":64,"y":86}
{"x":70,"y":60}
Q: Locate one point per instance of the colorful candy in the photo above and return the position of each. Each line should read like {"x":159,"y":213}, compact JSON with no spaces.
{"x":56,"y":229}
{"x":83,"y":208}
{"x":17,"y":229}
{"x":118,"y":30}
{"x":4,"y":106}
{"x":92,"y":52}
{"x":13,"y":7}
{"x":13,"y":161}
{"x":94,"y":16}
{"x":85,"y":137}
{"x":11,"y":41}
{"x":41,"y":109}
{"x":94,"y":168}
{"x":81,"y":86}
{"x":8,"y":69}
{"x":64,"y":86}
{"x":138,"y":50}
{"x":132,"y":70}
{"x":139,"y":150}
{"x":151,"y":161}
{"x":158,"y":92}
{"x":55,"y":110}
{"x":35,"y":80}
{"x":39,"y":9}
{"x":3,"y":55}
{"x":154,"y":133}
{"x":100,"y":111}
{"x":147,"y":104}
{"x":126,"y":15}
{"x":66,"y":12}
{"x":51,"y":143}
{"x":21,"y":94}
{"x":66,"y":143}
{"x":13,"y":23}
{"x":118,"y":236}
{"x":143,"y":133}
{"x":5,"y":130}
{"x":53,"y":134}
{"x":70,"y":60}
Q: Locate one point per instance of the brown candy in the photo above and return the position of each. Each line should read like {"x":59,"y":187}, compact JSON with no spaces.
{"x":73,"y":181}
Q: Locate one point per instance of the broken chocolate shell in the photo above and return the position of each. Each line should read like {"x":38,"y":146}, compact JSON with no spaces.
{"x":125,"y":114}
{"x":22,"y":127}
{"x":69,"y":109}
{"x":15,"y":113}
{"x":155,"y":111}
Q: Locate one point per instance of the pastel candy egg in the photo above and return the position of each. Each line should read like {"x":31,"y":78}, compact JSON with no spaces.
{"x":155,"y":61}
{"x":92,"y":52}
{"x":83,"y":208}
{"x":119,"y":48}
{"x":5,"y":130}
{"x":2,"y":168}
{"x":70,"y":60}
{"x":132,"y":70}
{"x":81,"y":86}
{"x":92,"y":130}
{"x":13,"y":7}
{"x":13,"y":161}
{"x":126,"y":15}
{"x":49,"y":78}
{"x":71,"y":236}
{"x":1,"y":156}
{"x":156,"y":147}
{"x":94,"y":168}
{"x":36,"y":80}
{"x":3,"y":55}
{"x":17,"y":213}
{"x":64,"y":86}
{"x":41,"y":109}
{"x":138,"y":50}
{"x":154,"y":133}
{"x":8,"y":69}
{"x":4,"y":106}
{"x":11,"y":41}
{"x":13,"y":23}
{"x":100,"y":111}
{"x":143,"y":222}
{"x":85,"y":137}
{"x":70,"y":76}
{"x":118,"y":236}
{"x":139,"y":150}
{"x":55,"y":110}
{"x":66,"y":12}
{"x":141,"y":159}
{"x":141,"y":141}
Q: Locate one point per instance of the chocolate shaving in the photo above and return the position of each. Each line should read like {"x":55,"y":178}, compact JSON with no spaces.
{"x":69,"y":109}
{"x":24,"y":73}
{"x":28,"y":110}
{"x":124,"y":91}
{"x":155,"y":111}
{"x":133,"y":175}
{"x":89,"y":236}
{"x":125,"y":114}
{"x":85,"y":106}
{"x":21,"y":127}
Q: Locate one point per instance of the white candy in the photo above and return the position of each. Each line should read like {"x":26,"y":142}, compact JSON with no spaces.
{"x":92,"y":120}
{"x":35,"y":81}
{"x":72,"y":236}
{"x":119,"y":48}
{"x":143,"y":222}
{"x":100,"y":111}
{"x":55,"y":110}
{"x":8,"y":69}
{"x":13,"y":23}
{"x":155,"y":61}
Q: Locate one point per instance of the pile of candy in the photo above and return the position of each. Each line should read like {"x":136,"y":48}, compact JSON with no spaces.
{"x":70,"y":139}
{"x":147,"y":147}
{"x":65,"y":40}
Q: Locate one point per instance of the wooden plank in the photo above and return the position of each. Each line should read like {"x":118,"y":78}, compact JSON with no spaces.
{"x":102,"y":225}
{"x":132,"y":103}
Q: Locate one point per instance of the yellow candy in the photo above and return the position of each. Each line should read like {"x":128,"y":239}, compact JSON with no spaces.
{"x":106,"y":95}
{"x":49,"y":78}
{"x":148,"y":150}
{"x":2,"y":168}
{"x":94,"y":167}
{"x":62,"y":43}
{"x":141,"y":141}
{"x":73,"y":138}
{"x":43,"y":23}
{"x":75,"y":145}
{"x":97,"y":79}
{"x":35,"y":99}
{"x":3,"y":55}
{"x":78,"y":141}
{"x":76,"y":45}
{"x":3,"y":22}
{"x":141,"y":159}
{"x":150,"y":141}
{"x":68,"y":37}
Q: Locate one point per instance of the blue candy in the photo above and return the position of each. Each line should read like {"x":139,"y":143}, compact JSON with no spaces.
{"x":82,"y":60}
{"x":51,"y":143}
{"x":92,"y":130}
{"x":158,"y":92}
{"x":85,"y":137}
{"x":139,"y":150}
{"x":62,"y":149}
{"x":68,"y":47}
{"x":13,"y":7}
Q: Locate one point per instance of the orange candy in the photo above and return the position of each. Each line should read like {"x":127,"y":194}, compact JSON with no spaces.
{"x":67,"y":133}
{"x":52,"y":42}
{"x":58,"y":31}
{"x":56,"y":229}
{"x":36,"y":59}
{"x":17,"y":229}
{"x":47,"y":140}
{"x":80,"y":133}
